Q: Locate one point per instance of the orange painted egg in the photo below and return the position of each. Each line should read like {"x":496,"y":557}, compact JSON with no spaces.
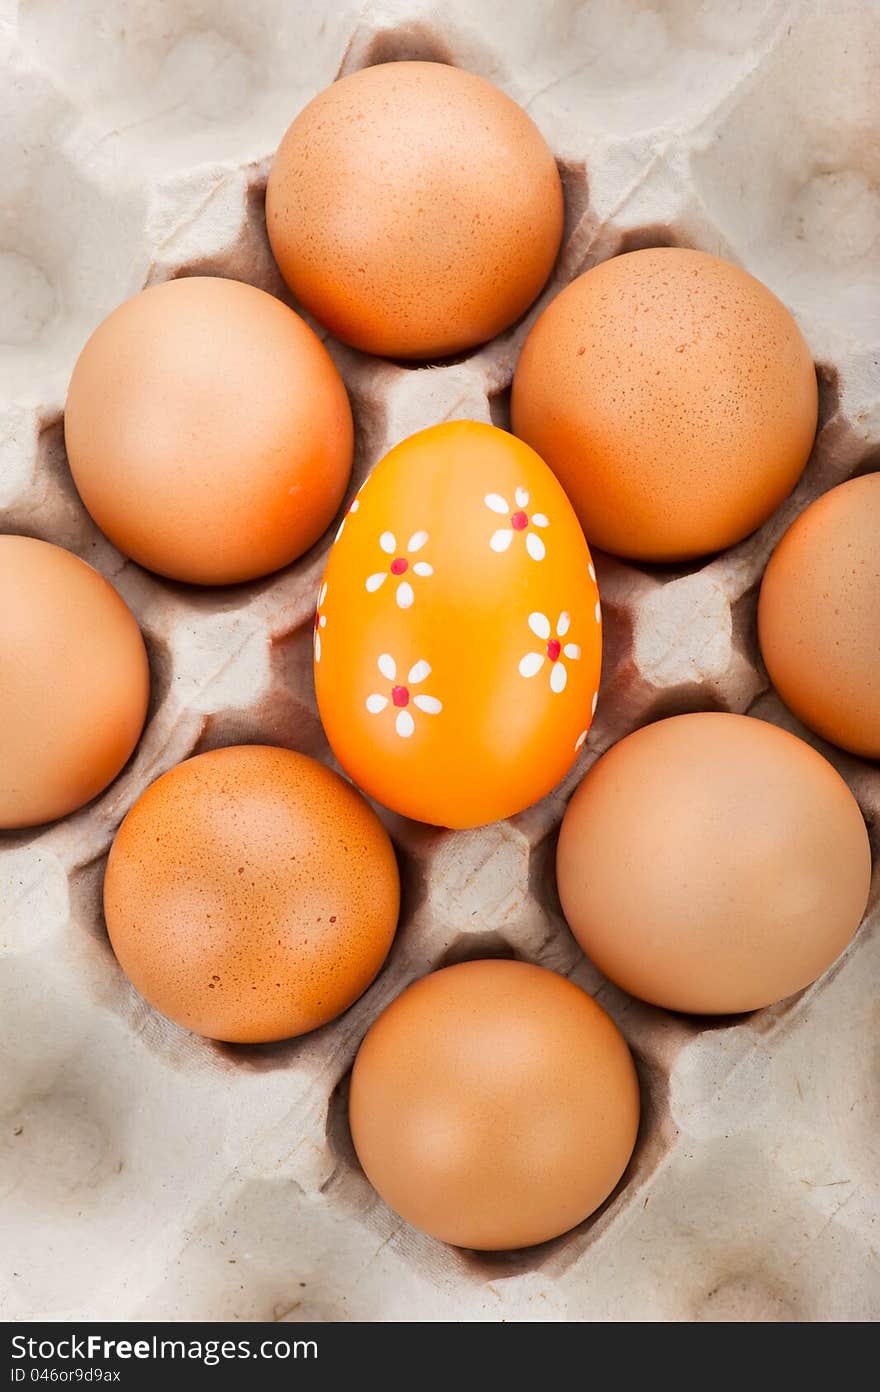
{"x":458,"y":634}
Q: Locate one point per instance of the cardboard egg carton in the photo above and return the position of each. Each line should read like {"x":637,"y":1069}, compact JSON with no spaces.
{"x":146,"y":1173}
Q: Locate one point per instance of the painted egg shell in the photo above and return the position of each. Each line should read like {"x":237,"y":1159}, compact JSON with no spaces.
{"x":458,"y":633}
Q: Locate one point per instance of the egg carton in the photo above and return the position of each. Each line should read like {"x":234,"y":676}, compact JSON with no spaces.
{"x":150,"y":1174}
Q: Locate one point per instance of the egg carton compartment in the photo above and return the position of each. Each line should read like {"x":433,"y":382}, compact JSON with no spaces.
{"x":146,"y":1173}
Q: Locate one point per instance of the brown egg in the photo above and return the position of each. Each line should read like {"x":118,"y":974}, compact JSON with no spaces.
{"x":819,"y":616}
{"x":494,"y":1104}
{"x":208,"y":431}
{"x":74,"y":682}
{"x":414,"y":209}
{"x":713,"y":863}
{"x":675,"y":399}
{"x":251,"y":894}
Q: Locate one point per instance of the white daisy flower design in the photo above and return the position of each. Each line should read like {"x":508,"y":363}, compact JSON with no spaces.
{"x":555,"y":649}
{"x":400,"y":566}
{"x":400,"y":698}
{"x":582,"y":737}
{"x":352,"y":508}
{"x":518,"y":521}
{"x":320,"y":620}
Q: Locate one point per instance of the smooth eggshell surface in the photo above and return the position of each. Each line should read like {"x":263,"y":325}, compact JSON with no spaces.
{"x":819,"y":616}
{"x":713,"y":863}
{"x":208,"y":431}
{"x":674,"y":397}
{"x":251,"y":894}
{"x":414,"y":209}
{"x":74,"y":682}
{"x":494,"y":1105}
{"x":458,"y":635}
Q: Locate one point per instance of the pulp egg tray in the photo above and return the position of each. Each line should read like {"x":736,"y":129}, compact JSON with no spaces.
{"x":150,"y":1174}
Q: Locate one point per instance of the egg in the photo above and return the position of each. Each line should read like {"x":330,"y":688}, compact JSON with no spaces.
{"x":713,"y":863}
{"x":414,"y":209}
{"x":819,"y":616}
{"x":674,"y":397}
{"x":208,"y":431}
{"x":458,"y":634}
{"x":251,"y":894}
{"x":74,"y":682}
{"x":494,"y":1104}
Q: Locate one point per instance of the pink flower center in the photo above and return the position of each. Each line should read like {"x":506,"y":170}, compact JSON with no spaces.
{"x":399,"y":565}
{"x":317,"y":618}
{"x":400,"y":695}
{"x":519,"y":521}
{"x":554,"y":648}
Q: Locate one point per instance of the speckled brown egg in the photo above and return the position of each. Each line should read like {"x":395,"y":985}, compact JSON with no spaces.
{"x":251,"y":894}
{"x":494,"y":1104}
{"x":713,"y":863}
{"x":819,"y":616}
{"x":74,"y":682}
{"x":674,"y":397}
{"x":208,"y":431}
{"x":414,"y":209}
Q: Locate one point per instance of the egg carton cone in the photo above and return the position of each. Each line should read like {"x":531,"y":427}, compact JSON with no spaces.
{"x":146,"y":1173}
